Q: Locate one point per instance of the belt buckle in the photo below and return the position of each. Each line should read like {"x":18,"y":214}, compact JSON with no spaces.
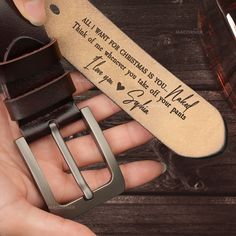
{"x":90,"y":199}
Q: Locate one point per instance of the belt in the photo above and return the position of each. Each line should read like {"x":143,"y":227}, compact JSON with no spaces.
{"x":39,"y":97}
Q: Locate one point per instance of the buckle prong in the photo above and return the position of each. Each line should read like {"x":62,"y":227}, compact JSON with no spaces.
{"x":88,"y":194}
{"x":115,"y":186}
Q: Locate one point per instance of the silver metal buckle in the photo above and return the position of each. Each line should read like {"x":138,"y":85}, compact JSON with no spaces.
{"x":90,"y":199}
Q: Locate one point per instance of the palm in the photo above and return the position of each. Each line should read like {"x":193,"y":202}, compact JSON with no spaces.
{"x":20,"y":196}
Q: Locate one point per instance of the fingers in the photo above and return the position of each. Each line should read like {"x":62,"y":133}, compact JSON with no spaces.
{"x":23,"y":219}
{"x":85,"y":150}
{"x":3,"y":118}
{"x":33,"y":10}
{"x":120,"y":139}
{"x":101,"y":106}
{"x":6,"y":127}
{"x":135,"y":174}
{"x":81,"y":83}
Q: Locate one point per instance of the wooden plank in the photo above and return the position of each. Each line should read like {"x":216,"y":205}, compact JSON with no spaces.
{"x":149,"y":215}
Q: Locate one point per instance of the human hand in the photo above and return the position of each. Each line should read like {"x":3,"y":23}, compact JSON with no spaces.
{"x":33,"y":10}
{"x":20,"y":201}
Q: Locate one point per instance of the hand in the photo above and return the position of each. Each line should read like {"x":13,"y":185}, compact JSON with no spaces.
{"x":20,"y":201}
{"x":33,"y":10}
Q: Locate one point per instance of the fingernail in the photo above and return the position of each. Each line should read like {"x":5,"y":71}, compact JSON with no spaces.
{"x":35,"y":12}
{"x":163,"y":168}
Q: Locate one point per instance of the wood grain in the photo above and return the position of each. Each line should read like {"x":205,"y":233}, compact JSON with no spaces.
{"x":194,"y":197}
{"x":164,"y":215}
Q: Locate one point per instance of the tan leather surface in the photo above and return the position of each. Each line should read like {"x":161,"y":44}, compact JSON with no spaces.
{"x":153,"y":96}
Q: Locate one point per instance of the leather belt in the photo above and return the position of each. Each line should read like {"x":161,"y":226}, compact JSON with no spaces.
{"x":39,"y":97}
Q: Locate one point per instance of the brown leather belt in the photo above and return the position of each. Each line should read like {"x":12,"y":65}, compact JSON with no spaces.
{"x":39,"y":97}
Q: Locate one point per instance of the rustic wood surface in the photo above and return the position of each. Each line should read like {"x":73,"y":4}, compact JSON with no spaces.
{"x":194,"y":197}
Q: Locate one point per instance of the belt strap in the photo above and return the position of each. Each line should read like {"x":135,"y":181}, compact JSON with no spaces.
{"x":39,"y":97}
{"x":30,"y":74}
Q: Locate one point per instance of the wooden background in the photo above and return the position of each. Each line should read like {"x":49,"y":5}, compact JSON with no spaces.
{"x":194,"y":197}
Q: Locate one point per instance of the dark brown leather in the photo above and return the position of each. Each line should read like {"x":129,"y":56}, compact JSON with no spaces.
{"x":12,"y":67}
{"x":62,"y":114}
{"x":41,"y":98}
{"x":32,"y":69}
{"x":37,"y":89}
{"x":13,"y":25}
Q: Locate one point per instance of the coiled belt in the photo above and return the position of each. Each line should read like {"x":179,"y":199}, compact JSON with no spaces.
{"x":39,"y":97}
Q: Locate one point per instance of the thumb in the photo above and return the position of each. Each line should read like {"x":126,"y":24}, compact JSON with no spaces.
{"x":33,"y":10}
{"x":27,"y":220}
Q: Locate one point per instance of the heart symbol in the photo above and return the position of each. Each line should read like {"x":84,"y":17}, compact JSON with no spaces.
{"x":120,"y":87}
